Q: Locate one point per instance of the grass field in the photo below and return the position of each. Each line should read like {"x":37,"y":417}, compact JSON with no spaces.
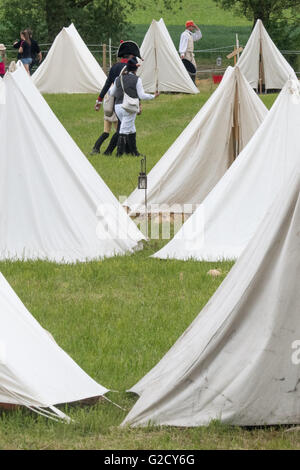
{"x":201,"y":11}
{"x":117,"y":317}
{"x":218,"y":26}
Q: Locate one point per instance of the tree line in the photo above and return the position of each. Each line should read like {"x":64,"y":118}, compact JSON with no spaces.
{"x":281,"y":18}
{"x":93,"y":18}
{"x":101,"y":19}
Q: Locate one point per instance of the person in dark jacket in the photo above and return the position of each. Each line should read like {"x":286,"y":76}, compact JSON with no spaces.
{"x":126,"y":51}
{"x":16,"y":45}
{"x":35,"y":51}
{"x":24,"y":49}
{"x":132,"y":85}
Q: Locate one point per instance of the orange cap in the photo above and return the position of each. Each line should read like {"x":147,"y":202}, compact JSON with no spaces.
{"x":189,"y":23}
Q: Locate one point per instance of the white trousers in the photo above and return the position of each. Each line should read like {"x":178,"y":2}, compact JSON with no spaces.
{"x":127,"y":120}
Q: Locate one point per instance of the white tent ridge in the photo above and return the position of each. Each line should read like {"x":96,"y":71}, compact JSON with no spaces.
{"x":273,"y":70}
{"x":225,"y":222}
{"x":162,"y":69}
{"x":69,"y":66}
{"x":206,"y":148}
{"x":235,"y":363}
{"x":34,"y":371}
{"x":53,"y":203}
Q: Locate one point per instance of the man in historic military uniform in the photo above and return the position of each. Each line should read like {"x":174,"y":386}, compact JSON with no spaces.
{"x":126,"y":51}
{"x":191,"y":34}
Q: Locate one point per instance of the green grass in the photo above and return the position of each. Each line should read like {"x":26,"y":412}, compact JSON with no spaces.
{"x":201,"y":12}
{"x":218,"y":27}
{"x":161,"y":122}
{"x":157,"y":128}
{"x":117,"y":317}
{"x":214,"y":36}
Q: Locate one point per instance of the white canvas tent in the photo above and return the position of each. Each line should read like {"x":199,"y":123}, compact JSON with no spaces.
{"x":225,"y":222}
{"x":236,"y":361}
{"x":53,"y":204}
{"x":34,"y":371}
{"x":262,"y":63}
{"x":203,"y":152}
{"x":2,"y":92}
{"x":69,"y":66}
{"x":162,"y":68}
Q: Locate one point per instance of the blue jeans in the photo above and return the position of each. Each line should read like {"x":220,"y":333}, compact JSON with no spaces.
{"x":26,"y":60}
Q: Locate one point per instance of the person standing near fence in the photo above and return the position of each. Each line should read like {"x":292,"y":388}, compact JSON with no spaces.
{"x":126,"y":51}
{"x":24,"y":49}
{"x":36,"y":53}
{"x":2,"y":60}
{"x":191,"y":34}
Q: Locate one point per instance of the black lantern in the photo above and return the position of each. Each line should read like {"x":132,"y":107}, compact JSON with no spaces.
{"x":142,"y":180}
{"x":142,"y":184}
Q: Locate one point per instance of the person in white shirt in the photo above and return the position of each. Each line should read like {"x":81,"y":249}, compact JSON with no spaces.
{"x":133,"y":87}
{"x":191,"y":34}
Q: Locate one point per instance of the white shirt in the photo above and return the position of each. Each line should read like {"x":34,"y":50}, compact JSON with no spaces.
{"x":139,"y":89}
{"x":184,"y":39}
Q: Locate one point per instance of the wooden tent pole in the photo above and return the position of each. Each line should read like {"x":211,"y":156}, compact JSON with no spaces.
{"x":235,"y":54}
{"x":156,"y":70}
{"x":260,"y":69}
{"x":104,"y":58}
{"x":237,"y":46}
{"x":236,"y":124}
{"x":156,"y":67}
{"x":110,"y":53}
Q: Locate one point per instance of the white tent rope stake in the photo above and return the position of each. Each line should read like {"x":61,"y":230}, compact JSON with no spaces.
{"x":206,"y":148}
{"x":114,"y":403}
{"x":57,"y":415}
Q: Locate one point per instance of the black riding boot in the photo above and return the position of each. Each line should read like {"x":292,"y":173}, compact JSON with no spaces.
{"x":121,"y":149}
{"x":127,"y":147}
{"x":132,"y":145}
{"x":99,"y":142}
{"x":112,"y":144}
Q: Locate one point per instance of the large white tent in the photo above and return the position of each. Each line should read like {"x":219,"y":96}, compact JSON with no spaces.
{"x":34,"y":371}
{"x":69,"y":66}
{"x":206,"y":148}
{"x":162,"y":68}
{"x":238,"y":362}
{"x":53,"y":203}
{"x":262,"y":63}
{"x":224,"y":223}
{"x":2,"y":92}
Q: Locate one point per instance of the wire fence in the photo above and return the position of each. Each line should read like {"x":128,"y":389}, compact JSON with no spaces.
{"x":210,"y":62}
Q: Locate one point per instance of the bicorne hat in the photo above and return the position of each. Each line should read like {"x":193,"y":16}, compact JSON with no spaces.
{"x":128,"y":48}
